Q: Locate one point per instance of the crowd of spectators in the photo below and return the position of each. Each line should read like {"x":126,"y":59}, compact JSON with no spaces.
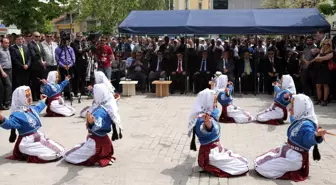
{"x":190,"y":63}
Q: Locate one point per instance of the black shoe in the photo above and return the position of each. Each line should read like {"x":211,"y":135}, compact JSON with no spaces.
{"x":3,"y":107}
{"x":324,"y":103}
{"x":318,"y":102}
{"x":182,"y":92}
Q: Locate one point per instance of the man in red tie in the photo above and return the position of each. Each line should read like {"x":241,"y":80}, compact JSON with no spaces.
{"x":178,"y":72}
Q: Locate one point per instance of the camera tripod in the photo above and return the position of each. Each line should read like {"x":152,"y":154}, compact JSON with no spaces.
{"x":65,"y":49}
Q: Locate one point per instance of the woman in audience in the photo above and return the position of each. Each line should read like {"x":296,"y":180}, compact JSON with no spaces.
{"x":323,"y":73}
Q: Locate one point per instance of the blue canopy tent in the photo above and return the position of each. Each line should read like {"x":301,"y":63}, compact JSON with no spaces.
{"x":245,"y":21}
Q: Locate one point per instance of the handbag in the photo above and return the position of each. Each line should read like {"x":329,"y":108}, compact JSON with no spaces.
{"x":332,"y":65}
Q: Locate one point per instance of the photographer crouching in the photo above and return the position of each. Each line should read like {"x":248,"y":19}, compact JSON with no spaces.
{"x":65,"y":58}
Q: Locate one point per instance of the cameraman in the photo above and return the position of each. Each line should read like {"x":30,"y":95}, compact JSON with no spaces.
{"x":65,"y":57}
{"x":104,"y":55}
{"x":81,"y":52}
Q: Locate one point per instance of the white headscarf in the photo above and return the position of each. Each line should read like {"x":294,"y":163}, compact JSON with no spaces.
{"x":304,"y":108}
{"x":204,"y":104}
{"x":221,"y":83}
{"x":19,"y":100}
{"x":104,"y":98}
{"x":52,"y":77}
{"x":288,"y":83}
{"x":100,"y":78}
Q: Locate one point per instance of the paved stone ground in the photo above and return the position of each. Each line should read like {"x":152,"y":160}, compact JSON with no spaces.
{"x":155,"y":148}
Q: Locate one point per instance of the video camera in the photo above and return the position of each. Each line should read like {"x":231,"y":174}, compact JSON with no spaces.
{"x":65,"y":36}
{"x":93,"y":36}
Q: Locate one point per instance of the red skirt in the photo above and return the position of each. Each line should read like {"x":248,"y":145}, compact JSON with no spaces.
{"x":224,"y":118}
{"x":17,"y":155}
{"x":277,"y":121}
{"x":203,"y":161}
{"x":301,"y":174}
{"x":50,"y":113}
{"x":104,"y":152}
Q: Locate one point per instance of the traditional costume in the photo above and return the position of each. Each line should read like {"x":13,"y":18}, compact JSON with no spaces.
{"x":32,"y":145}
{"x":98,"y":146}
{"x":212,"y":157}
{"x":100,"y":78}
{"x":277,"y":113}
{"x":291,"y":160}
{"x":230,"y":113}
{"x":56,"y":106}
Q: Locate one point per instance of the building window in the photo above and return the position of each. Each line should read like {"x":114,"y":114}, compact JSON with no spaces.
{"x":186,"y":4}
{"x":220,"y":4}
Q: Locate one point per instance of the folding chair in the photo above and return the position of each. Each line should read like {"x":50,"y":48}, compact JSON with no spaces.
{"x":258,"y":85}
{"x":239,"y":81}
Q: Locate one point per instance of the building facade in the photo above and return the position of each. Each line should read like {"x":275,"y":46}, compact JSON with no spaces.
{"x":215,"y":4}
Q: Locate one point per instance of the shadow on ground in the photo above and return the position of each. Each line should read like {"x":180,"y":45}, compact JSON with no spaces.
{"x":182,"y":172}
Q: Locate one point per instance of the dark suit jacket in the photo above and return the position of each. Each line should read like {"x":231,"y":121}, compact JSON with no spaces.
{"x":241,"y":64}
{"x":17,"y":59}
{"x":36,"y":55}
{"x":79,"y":55}
{"x":174,"y":65}
{"x":230,"y":66}
{"x":209,"y":66}
{"x":277,"y":65}
{"x":144,"y":68}
{"x":154,"y":61}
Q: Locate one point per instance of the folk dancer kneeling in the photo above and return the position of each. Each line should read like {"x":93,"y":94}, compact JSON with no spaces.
{"x":277,"y":113}
{"x":32,"y":145}
{"x":56,"y":105}
{"x":291,"y":160}
{"x":212,"y":157}
{"x":230,"y":113}
{"x":100,"y":78}
{"x":98,"y":146}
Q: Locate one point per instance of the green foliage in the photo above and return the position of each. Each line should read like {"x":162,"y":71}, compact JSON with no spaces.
{"x":31,"y":15}
{"x":291,"y":3}
{"x":327,"y":8}
{"x":110,"y":13}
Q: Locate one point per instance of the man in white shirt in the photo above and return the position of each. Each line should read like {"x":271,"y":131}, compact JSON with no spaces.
{"x":49,"y":48}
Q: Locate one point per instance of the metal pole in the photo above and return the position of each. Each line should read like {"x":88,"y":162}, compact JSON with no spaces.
{"x":71,"y":23}
{"x":255,"y":68}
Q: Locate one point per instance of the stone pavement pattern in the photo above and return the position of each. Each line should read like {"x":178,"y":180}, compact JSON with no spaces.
{"x":155,"y":147}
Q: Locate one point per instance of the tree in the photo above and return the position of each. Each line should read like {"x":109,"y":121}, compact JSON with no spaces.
{"x":291,"y":3}
{"x":110,"y":13}
{"x":327,"y":8}
{"x":31,"y":15}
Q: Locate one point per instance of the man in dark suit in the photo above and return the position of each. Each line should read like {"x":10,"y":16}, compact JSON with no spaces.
{"x":21,"y":62}
{"x":246,"y":72}
{"x":178,"y":72}
{"x":203,"y":74}
{"x":138,"y":71}
{"x":158,"y":68}
{"x":226,"y":65}
{"x":38,"y":64}
{"x":274,"y":70}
